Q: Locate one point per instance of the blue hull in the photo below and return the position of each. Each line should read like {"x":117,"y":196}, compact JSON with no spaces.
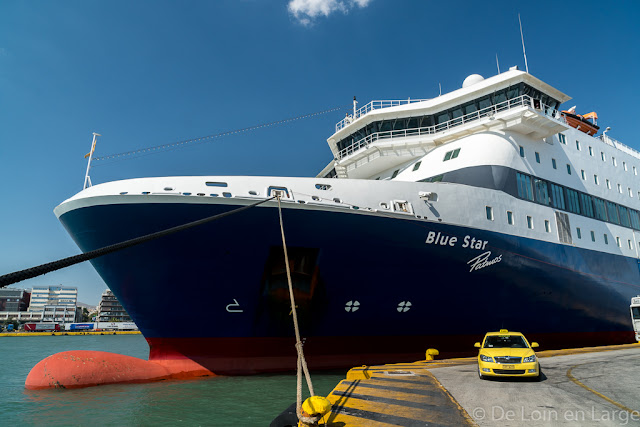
{"x":218,"y":292}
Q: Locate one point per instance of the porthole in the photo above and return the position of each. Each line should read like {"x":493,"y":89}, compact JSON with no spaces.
{"x":146,"y":192}
{"x":200,"y":194}
{"x":384,"y":205}
{"x":337,"y":200}
{"x":216,"y":184}
{"x":214,"y":195}
{"x":253,"y":193}
{"x":323,"y":187}
{"x":302,"y":202}
{"x":316,"y":198}
{"x":124,"y":192}
{"x":227,"y":194}
{"x":186,"y":194}
{"x":168,"y":188}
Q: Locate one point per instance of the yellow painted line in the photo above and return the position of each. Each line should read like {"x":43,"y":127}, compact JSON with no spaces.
{"x":613,"y":402}
{"x":353,"y":421}
{"x":571,"y":351}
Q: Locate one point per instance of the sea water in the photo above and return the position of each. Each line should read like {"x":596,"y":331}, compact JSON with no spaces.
{"x":214,"y":401}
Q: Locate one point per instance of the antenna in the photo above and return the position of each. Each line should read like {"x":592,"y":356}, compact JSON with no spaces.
{"x":355,"y":103}
{"x":524,"y":52}
{"x":497,"y":63}
{"x":87,"y":180}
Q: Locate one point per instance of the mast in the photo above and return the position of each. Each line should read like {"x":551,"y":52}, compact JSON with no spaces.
{"x":87,"y":180}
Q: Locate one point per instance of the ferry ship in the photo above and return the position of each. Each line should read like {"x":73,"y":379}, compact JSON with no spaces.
{"x":436,"y":221}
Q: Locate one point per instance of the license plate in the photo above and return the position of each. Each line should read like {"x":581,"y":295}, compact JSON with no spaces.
{"x":508,"y":366}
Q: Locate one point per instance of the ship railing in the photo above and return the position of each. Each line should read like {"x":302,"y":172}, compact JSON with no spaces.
{"x":374,"y":105}
{"x":521,"y":101}
{"x":619,"y":145}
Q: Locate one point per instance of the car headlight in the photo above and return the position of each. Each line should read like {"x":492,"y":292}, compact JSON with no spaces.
{"x":486,"y":358}
{"x":529,"y":359}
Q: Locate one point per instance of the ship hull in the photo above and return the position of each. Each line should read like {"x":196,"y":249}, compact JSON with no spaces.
{"x":369,"y":288}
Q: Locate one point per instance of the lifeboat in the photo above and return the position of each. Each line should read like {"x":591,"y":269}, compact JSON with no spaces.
{"x":582,"y":123}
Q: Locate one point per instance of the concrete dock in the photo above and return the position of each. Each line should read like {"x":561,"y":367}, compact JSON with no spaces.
{"x":579,"y":387}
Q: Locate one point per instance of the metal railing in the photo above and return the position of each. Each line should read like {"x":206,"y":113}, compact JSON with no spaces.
{"x":521,"y":101}
{"x":619,"y":145}
{"x":374,"y":105}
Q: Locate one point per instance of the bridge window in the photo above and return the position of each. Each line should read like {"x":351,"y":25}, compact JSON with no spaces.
{"x":416,"y":166}
{"x":510,"y":217}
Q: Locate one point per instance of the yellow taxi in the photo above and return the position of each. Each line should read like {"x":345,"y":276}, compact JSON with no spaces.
{"x":507,"y":354}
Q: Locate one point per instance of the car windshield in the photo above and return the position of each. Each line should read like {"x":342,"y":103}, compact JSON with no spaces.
{"x":505,"y":341}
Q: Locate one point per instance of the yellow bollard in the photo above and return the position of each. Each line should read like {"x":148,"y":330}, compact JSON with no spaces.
{"x":315,"y":406}
{"x":431,"y":354}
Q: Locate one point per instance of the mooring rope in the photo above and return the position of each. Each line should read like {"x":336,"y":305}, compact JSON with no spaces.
{"x":302,"y":363}
{"x":29,"y":273}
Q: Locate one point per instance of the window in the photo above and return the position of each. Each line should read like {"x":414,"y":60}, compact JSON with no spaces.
{"x":416,"y":166}
{"x":635,"y":172}
{"x":595,"y":179}
{"x":586,"y":205}
{"x":529,"y":222}
{"x":578,"y":233}
{"x":584,"y":177}
{"x":606,"y":239}
{"x":613,"y":160}
{"x":537,"y":157}
{"x":618,"y":242}
{"x":562,"y":138}
{"x":451,"y":154}
{"x":608,"y":185}
{"x":591,"y":151}
{"x":630,"y":192}
{"x":578,"y":145}
{"x":630,"y":245}
{"x":542,"y":193}
{"x":524,"y":186}
{"x":489,"y":212}
{"x":553,"y":163}
{"x":557,"y":196}
{"x":612,"y":212}
{"x":395,"y":173}
{"x":521,"y":151}
{"x":568,"y":168}
{"x":573,"y":202}
{"x":619,"y":189}
{"x":602,"y":156}
{"x":624,"y":166}
{"x":510,"y":217}
{"x":593,"y":236}
{"x":600,"y":210}
{"x":547,"y":226}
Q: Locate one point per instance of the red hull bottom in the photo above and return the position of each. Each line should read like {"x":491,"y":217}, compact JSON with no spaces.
{"x":244,"y":356}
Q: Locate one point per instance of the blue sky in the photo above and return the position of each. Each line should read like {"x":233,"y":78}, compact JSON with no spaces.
{"x":153,"y":72}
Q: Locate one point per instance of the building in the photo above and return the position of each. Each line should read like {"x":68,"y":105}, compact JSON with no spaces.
{"x":55,"y":303}
{"x":14,"y":299}
{"x":110,"y":309}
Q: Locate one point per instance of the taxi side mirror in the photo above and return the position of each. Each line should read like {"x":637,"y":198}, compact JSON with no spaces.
{"x":534,"y":345}
{"x":477,"y":345}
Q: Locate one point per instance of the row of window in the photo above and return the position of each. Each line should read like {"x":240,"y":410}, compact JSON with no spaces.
{"x":498,"y":97}
{"x":567,"y":199}
{"x":547,"y":228}
{"x":562,"y":138}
